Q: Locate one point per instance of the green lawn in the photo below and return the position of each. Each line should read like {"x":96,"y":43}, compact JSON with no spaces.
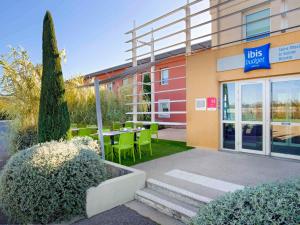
{"x":160,"y":149}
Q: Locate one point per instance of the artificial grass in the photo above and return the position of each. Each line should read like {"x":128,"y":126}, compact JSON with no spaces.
{"x":159,"y":149}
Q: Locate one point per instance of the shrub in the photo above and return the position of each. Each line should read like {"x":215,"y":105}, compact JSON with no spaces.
{"x":86,"y":141}
{"x":23,"y":139}
{"x":20,"y":87}
{"x":47,"y":183}
{"x":275,"y":203}
{"x":19,"y":138}
{"x":3,"y":115}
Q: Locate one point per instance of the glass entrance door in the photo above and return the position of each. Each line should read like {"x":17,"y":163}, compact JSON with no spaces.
{"x":262,"y":116}
{"x":285,"y":117}
{"x":228,"y":116}
{"x":252,"y":117}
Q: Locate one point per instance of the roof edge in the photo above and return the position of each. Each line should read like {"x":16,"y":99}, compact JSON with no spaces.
{"x":161,"y":56}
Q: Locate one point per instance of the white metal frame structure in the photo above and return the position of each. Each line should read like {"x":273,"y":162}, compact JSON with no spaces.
{"x":99,"y":117}
{"x":138,"y":33}
{"x":146,"y":30}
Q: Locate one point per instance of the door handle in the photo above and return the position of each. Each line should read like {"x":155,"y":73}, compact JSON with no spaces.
{"x":286,"y":124}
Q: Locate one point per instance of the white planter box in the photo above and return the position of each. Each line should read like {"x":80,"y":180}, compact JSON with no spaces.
{"x":116,"y":191}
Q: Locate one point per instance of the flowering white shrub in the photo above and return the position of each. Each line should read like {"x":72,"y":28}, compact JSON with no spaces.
{"x":274,"y":203}
{"x":86,"y":141}
{"x":47,"y":183}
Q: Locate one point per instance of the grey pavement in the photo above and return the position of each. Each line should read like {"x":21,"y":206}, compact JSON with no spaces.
{"x":4,"y":129}
{"x":3,"y":157}
{"x":120,"y":215}
{"x":238,"y":168}
{"x":172,"y":134}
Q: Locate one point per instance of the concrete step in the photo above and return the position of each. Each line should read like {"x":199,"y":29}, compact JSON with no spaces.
{"x":175,"y":192}
{"x":167,"y":205}
{"x":153,"y":214}
{"x":194,"y":188}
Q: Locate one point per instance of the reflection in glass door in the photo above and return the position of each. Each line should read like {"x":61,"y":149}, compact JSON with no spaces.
{"x":262,"y":116}
{"x":285,"y":117}
{"x":251,"y":121}
{"x":228,"y":116}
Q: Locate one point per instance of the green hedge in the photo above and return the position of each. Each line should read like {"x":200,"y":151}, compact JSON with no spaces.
{"x":23,"y":139}
{"x":47,"y":183}
{"x":275,"y":203}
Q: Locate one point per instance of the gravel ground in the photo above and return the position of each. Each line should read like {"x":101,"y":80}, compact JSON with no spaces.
{"x":120,"y":215}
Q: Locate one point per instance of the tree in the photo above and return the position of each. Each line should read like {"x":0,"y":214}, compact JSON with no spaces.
{"x":20,"y":87}
{"x":54,"y":119}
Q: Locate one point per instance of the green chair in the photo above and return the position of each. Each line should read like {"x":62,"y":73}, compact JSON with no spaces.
{"x":73,"y":129}
{"x":144,"y":140}
{"x":116,"y":126}
{"x":107,"y":144}
{"x":85,"y":132}
{"x":128,"y":124}
{"x":126,"y":143}
{"x":73,"y":125}
{"x":154,"y":130}
{"x":139,"y":125}
{"x":93,"y":126}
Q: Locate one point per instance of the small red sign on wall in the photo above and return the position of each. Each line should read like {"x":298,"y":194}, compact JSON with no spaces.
{"x":211,"y":104}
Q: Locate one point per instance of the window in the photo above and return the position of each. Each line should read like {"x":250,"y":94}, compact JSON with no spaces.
{"x":228,"y":101}
{"x":228,"y":115}
{"x":146,"y":79}
{"x":125,"y":82}
{"x":147,"y":86}
{"x":110,"y":86}
{"x":164,"y":106}
{"x":259,"y":29}
{"x":164,"y":77}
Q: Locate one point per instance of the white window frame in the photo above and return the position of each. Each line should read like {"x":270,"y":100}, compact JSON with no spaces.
{"x":165,"y":115}
{"x":110,"y":86}
{"x":127,"y":81}
{"x":252,"y":11}
{"x":162,"y":82}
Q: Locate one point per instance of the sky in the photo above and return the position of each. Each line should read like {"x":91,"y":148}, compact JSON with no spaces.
{"x":91,"y":32}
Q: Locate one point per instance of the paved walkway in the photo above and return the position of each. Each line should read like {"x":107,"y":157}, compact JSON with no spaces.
{"x":204,"y":172}
{"x":3,"y":142}
{"x":120,"y":215}
{"x":172,"y":134}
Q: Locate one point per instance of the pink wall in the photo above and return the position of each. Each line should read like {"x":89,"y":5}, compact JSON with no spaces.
{"x":172,"y":84}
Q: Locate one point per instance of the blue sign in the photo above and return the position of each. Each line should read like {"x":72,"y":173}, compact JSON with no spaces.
{"x":257,"y":58}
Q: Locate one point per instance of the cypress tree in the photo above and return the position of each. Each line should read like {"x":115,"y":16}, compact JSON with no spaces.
{"x":54,"y":120}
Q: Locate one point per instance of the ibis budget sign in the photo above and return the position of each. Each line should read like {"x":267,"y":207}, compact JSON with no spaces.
{"x":257,"y":58}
